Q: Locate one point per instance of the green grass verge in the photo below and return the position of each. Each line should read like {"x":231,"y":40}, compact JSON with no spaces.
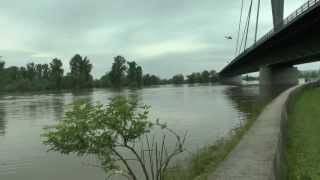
{"x":302,"y":151}
{"x":207,"y":159}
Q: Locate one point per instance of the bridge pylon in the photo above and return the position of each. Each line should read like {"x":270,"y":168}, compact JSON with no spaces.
{"x":283,"y":76}
{"x":277,"y":13}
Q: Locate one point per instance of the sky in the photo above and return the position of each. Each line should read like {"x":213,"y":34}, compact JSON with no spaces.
{"x":166,"y":37}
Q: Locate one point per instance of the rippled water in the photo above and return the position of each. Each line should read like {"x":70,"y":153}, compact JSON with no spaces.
{"x":207,"y":112}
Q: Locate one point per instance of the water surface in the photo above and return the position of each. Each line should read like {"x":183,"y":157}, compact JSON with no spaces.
{"x":207,"y":112}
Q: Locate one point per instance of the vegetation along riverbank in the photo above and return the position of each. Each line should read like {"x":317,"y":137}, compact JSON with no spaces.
{"x":53,"y":76}
{"x":302,"y":148}
{"x":207,"y":159}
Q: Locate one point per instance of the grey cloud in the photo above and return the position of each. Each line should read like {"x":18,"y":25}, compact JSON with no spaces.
{"x":103,"y":29}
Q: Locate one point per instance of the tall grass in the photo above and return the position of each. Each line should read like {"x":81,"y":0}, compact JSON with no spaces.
{"x":302,"y":151}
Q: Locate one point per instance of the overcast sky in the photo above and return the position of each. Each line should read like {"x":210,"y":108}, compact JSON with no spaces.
{"x":164,"y":36}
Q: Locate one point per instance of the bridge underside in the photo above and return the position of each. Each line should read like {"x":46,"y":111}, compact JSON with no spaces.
{"x":297,"y":43}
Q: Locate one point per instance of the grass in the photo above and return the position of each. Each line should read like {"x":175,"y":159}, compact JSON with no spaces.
{"x":207,"y":159}
{"x":302,"y":151}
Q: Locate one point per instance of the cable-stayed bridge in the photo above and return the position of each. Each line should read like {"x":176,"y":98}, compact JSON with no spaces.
{"x":293,"y":40}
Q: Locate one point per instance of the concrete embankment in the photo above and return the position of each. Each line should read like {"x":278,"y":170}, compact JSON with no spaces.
{"x":258,"y":156}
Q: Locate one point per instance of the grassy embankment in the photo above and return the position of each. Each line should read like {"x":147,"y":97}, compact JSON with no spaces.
{"x":302,"y":150}
{"x":207,"y":159}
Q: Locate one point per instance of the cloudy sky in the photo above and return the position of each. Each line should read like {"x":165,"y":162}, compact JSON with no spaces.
{"x":164,"y":36}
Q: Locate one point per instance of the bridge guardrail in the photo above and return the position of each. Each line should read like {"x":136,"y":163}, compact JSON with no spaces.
{"x":287,"y":21}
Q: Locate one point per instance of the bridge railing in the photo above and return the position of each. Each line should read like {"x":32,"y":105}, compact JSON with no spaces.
{"x":287,"y":21}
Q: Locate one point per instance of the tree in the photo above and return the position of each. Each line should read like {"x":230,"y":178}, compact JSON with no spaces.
{"x":56,"y":72}
{"x":80,"y":71}
{"x":178,"y":79}
{"x":45,"y":71}
{"x":192,"y":78}
{"x":214,"y":76}
{"x":117,"y":71}
{"x":150,"y":80}
{"x":139,"y":76}
{"x":205,"y":77}
{"x":132,"y":73}
{"x":107,"y":131}
{"x":31,"y":71}
{"x":105,"y":80}
{"x":2,"y":74}
{"x":135,"y":75}
{"x":2,"y":65}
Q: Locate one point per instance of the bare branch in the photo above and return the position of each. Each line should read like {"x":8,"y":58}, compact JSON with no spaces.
{"x":142,"y":164}
{"x":125,"y":163}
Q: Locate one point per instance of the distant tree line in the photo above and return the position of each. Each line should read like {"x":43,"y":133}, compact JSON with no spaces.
{"x":130,"y":74}
{"x":123,"y":73}
{"x":250,"y":78}
{"x":37,"y":77}
{"x":310,"y":74}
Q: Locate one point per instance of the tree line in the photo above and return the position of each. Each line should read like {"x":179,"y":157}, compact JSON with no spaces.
{"x":52,"y":76}
{"x":47,"y":76}
{"x":309,"y":74}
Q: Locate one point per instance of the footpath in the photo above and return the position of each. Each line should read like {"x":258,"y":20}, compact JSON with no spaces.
{"x":254,"y":157}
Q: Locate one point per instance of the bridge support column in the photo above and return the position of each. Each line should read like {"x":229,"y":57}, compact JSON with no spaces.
{"x":277,"y":12}
{"x":279,"y":76}
{"x":235,"y":80}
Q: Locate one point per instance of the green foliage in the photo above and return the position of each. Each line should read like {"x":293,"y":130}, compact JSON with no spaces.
{"x":139,"y":76}
{"x":2,"y":64}
{"x":56,"y":73}
{"x":97,"y":129}
{"x":134,"y":75}
{"x":131,"y":75}
{"x":103,"y":130}
{"x":39,"y":77}
{"x":311,"y":74}
{"x":194,"y":78}
{"x":105,"y":81}
{"x":204,"y":77}
{"x":302,"y":148}
{"x":80,"y":72}
{"x":178,"y":79}
{"x":214,"y":77}
{"x":150,"y":80}
{"x":117,"y":73}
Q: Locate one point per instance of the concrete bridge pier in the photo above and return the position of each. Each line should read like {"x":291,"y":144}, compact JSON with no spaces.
{"x":235,"y":80}
{"x":279,"y":76}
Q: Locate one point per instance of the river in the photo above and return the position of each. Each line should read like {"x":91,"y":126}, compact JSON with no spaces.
{"x":207,"y":112}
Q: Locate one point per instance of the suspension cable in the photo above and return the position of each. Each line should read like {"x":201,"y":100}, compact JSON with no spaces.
{"x":249,"y":17}
{"x":246,"y":29}
{"x":239,"y":28}
{"x":257,"y":22}
{"x":243,"y":35}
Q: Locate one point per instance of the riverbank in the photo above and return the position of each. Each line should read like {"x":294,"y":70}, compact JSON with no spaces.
{"x":207,"y":159}
{"x":302,"y":148}
{"x":259,"y":152}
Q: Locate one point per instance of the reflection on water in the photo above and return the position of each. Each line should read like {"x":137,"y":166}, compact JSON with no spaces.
{"x":206,"y":112}
{"x":2,"y":120}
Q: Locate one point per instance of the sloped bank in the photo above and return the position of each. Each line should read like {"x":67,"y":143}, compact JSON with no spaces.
{"x":300,"y":129}
{"x":260,"y":155}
